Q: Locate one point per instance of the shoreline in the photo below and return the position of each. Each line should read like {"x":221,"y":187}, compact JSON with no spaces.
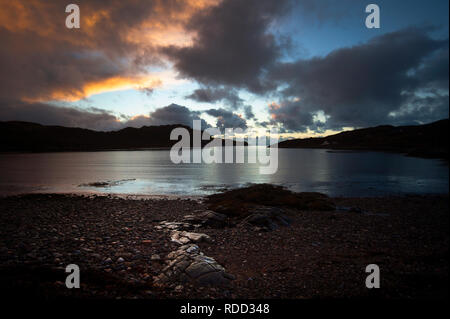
{"x":110,"y":195}
{"x":424,"y":155}
{"x":114,"y":240}
{"x":137,"y":196}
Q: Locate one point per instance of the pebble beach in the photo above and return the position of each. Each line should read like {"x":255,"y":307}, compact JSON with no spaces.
{"x":122,"y":249}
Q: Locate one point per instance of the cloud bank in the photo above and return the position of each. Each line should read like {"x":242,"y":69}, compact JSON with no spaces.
{"x":393,"y":78}
{"x":231,"y":49}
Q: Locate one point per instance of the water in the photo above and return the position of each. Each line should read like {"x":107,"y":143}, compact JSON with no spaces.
{"x":152,"y":173}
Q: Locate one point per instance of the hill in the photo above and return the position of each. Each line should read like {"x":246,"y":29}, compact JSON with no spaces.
{"x":428,"y":140}
{"x":32,"y":137}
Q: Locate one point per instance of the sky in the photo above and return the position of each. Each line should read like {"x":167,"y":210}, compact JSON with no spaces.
{"x":306,"y":67}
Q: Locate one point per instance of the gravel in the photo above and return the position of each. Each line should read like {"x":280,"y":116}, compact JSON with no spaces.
{"x":321,"y":254}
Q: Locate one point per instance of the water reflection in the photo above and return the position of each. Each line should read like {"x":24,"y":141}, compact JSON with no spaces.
{"x":152,"y":172}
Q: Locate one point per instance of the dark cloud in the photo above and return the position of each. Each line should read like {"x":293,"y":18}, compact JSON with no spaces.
{"x":291,"y":115}
{"x":175,"y":114}
{"x":48,"y":114}
{"x":264,"y":124}
{"x":400,"y":77}
{"x":418,"y":110}
{"x":94,"y":118}
{"x":213,"y":95}
{"x":147,"y":90}
{"x":366,"y":84}
{"x":248,"y":111}
{"x":233,"y":45}
{"x":227,"y":119}
{"x":228,"y":96}
{"x":433,"y":73}
{"x":42,"y":60}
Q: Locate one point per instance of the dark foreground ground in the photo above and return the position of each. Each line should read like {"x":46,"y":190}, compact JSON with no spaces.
{"x":321,"y":255}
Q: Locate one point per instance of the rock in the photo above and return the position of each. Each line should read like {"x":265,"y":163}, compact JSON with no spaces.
{"x":165,"y":225}
{"x":196,"y":237}
{"x":215,"y":278}
{"x":237,"y":202}
{"x":229,"y":276}
{"x":206,"y":218}
{"x":178,"y":288}
{"x":266,"y":218}
{"x":199,"y":268}
{"x":176,"y":237}
{"x":184,"y":240}
{"x":189,"y":264}
{"x":183,"y":237}
{"x":155,"y":257}
{"x":192,"y":249}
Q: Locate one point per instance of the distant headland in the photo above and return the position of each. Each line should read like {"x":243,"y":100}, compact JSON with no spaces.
{"x":428,"y":140}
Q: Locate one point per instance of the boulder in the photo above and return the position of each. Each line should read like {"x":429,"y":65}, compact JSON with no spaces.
{"x":189,"y":264}
{"x":196,"y":237}
{"x":266,"y":218}
{"x":206,"y":218}
{"x":239,"y":202}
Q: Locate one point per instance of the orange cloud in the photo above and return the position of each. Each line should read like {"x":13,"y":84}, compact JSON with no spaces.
{"x":96,"y":87}
{"x":116,"y":42}
{"x":274,"y":106}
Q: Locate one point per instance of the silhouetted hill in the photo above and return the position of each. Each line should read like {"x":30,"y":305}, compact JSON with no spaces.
{"x":429,"y":140}
{"x":32,"y":137}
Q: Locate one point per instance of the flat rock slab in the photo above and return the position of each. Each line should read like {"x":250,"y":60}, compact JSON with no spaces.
{"x":189,"y":264}
{"x":168,"y":226}
{"x":184,"y":237}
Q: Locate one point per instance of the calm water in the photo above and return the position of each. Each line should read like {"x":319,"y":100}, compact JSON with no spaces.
{"x":152,"y":172}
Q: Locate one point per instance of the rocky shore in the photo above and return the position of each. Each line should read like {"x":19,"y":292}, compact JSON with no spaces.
{"x":181,"y":248}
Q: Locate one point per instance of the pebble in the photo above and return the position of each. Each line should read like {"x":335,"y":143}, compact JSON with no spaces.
{"x":179,"y":288}
{"x":155,"y":257}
